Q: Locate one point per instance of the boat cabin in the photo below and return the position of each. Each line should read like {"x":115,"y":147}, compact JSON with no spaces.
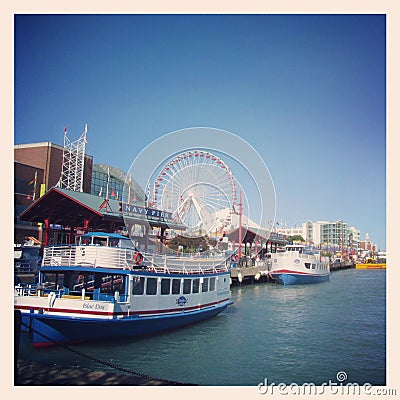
{"x":104,"y":239}
{"x":296,"y":247}
{"x":301,"y":249}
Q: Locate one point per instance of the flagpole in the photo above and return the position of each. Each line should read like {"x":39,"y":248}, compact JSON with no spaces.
{"x":129,"y":190}
{"x":34,"y":187}
{"x":108,"y":179}
{"x":240,"y":226}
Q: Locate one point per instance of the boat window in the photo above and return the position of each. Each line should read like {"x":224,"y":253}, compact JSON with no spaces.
{"x":212,"y":284}
{"x":313,"y":266}
{"x":204,"y":286}
{"x":53,"y":281}
{"x":176,"y":286}
{"x":151,"y":286}
{"x":307,"y":265}
{"x":100,"y":241}
{"x":108,"y":283}
{"x":90,"y":283}
{"x":165,"y":286}
{"x":126,"y":243}
{"x":113,"y":242}
{"x":78,"y":281}
{"x":138,"y":285}
{"x":196,"y":285}
{"x":85,"y":241}
{"x":68,"y":280}
{"x":187,"y":283}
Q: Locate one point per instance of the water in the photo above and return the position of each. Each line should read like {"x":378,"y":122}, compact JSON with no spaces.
{"x":304,"y":333}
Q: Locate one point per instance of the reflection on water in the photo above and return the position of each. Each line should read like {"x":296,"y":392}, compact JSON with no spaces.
{"x":304,"y":333}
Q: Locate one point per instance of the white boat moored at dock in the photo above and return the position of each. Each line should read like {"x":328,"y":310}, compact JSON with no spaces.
{"x":102,"y":287}
{"x":298,"y":265}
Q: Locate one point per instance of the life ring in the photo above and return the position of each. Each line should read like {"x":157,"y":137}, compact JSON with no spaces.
{"x":138,"y":258}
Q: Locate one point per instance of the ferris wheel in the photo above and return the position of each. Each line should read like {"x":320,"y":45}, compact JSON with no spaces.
{"x":198,"y":188}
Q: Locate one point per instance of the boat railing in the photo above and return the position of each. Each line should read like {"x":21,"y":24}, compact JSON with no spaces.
{"x":25,"y":290}
{"x":25,"y":266}
{"x":89,"y":256}
{"x":185,"y":265}
{"x":124,"y":258}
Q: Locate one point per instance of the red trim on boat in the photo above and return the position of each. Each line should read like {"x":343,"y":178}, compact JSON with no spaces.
{"x":125,"y":313}
{"x":288,"y":271}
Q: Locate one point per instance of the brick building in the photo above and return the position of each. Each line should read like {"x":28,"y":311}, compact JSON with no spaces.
{"x":37,"y":168}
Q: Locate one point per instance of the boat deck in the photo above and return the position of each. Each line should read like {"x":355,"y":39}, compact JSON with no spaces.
{"x":125,"y":259}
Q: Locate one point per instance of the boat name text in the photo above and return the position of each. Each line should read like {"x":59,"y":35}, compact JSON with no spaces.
{"x":89,"y":306}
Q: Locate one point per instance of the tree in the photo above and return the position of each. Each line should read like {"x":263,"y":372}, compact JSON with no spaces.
{"x":190,"y":244}
{"x":295,"y":238}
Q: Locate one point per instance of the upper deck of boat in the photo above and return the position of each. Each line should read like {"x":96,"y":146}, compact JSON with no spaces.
{"x":112,"y":251}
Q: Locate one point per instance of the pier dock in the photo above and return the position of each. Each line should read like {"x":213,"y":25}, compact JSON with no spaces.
{"x":249,"y":273}
{"x":338,"y":266}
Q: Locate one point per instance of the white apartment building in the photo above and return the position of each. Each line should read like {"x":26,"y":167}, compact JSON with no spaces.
{"x":336,"y":233}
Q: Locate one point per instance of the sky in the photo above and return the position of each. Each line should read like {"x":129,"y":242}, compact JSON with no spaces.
{"x":306,"y":91}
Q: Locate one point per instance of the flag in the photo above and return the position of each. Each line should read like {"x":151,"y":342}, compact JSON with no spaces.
{"x":42,"y":189}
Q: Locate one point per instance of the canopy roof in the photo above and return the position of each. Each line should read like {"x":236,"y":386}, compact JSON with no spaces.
{"x":68,"y":208}
{"x":105,"y":234}
{"x":249,"y":234}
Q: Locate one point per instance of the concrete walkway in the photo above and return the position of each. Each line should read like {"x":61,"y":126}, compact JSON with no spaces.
{"x":36,"y":374}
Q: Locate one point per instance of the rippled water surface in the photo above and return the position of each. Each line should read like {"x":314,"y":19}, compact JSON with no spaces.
{"x":304,"y":333}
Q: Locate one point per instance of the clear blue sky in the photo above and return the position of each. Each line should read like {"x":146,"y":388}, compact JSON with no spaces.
{"x":307,"y":91}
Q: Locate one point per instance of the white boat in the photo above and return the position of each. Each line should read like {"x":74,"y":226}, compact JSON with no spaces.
{"x":298,"y":265}
{"x":102,"y":288}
